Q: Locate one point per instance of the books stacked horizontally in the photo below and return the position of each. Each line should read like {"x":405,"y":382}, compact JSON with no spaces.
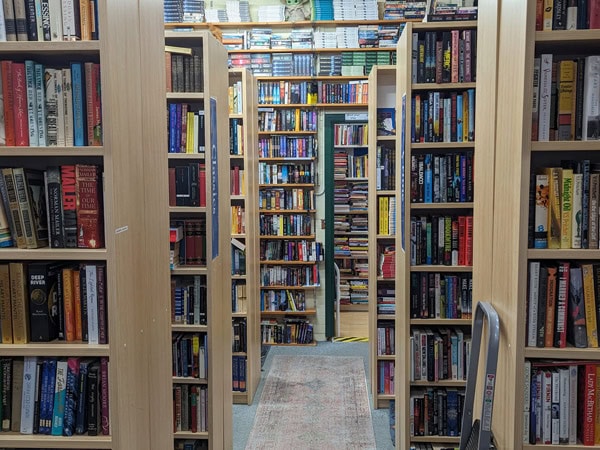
{"x":216,"y":15}
{"x":173,"y":11}
{"x":193,"y":11}
{"x":387,"y":262}
{"x":449,"y":12}
{"x":347,"y":37}
{"x":271,"y":13}
{"x":322,"y":9}
{"x":386,"y":300}
{"x":260,"y":38}
{"x":233,"y":40}
{"x":330,"y":64}
{"x":261,"y":64}
{"x":325,"y":39}
{"x":404,"y":10}
{"x":388,"y":35}
{"x":368,"y":36}
{"x":302,"y":39}
{"x":355,"y":10}
{"x":41,"y":208}
{"x":281,"y":41}
{"x":238,"y":10}
{"x":359,"y":292}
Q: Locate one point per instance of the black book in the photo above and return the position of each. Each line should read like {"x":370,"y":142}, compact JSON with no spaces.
{"x":43,"y":293}
{"x":541,"y":318}
{"x":92,"y":399}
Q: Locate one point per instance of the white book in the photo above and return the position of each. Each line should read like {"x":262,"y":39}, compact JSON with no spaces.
{"x":2,"y":26}
{"x":56,"y":27}
{"x":572,"y":17}
{"x":576,"y":213}
{"x":31,"y":103}
{"x":534,"y":281}
{"x":28,"y":395}
{"x":591,"y":99}
{"x":92,"y":303}
{"x":60,"y":109}
{"x":38,"y":20}
{"x":526,"y":401}
{"x":51,"y":106}
{"x":554,"y":434}
{"x":68,"y":20}
{"x":545,"y":95}
{"x":536,"y":98}
{"x":68,"y":106}
{"x":40,"y":106}
{"x":573,"y":404}
{"x":563,"y":430}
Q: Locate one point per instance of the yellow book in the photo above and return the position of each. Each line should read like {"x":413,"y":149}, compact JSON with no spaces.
{"x":189,"y":143}
{"x":19,"y":302}
{"x":230,"y":94}
{"x":386,"y":213}
{"x":5,"y":306}
{"x":597,"y":409}
{"x":297,"y":119}
{"x":380,"y":210}
{"x":566,"y":208}
{"x":465,"y":119}
{"x":554,"y":212}
{"x":589,"y":297}
{"x":68,"y":304}
{"x":548,"y":15}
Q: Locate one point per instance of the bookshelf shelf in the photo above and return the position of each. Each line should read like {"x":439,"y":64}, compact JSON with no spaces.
{"x":16,"y":440}
{"x":289,"y":263}
{"x":290,"y":158}
{"x":386,"y":138}
{"x":439,"y":268}
{"x":189,"y":380}
{"x":189,"y":328}
{"x":235,"y":116}
{"x":300,"y":24}
{"x":315,"y":78}
{"x":436,"y":439}
{"x":564,"y":146}
{"x":386,"y":357}
{"x":391,"y":317}
{"x":291,"y":238}
{"x":51,"y":151}
{"x":240,"y":397}
{"x":237,"y":198}
{"x":286,"y":185}
{"x":547,"y":447}
{"x":54,"y":48}
{"x":383,"y":237}
{"x":297,"y":288}
{"x":385,"y":396}
{"x":385,"y":192}
{"x":569,"y":353}
{"x":194,"y":156}
{"x":354,"y":308}
{"x":311,"y":344}
{"x":238,"y":277}
{"x":308,"y":312}
{"x":314,"y":50}
{"x":54,"y":254}
{"x":313,"y":105}
{"x":441,"y":145}
{"x":187,"y":209}
{"x":441,"y":86}
{"x":286,"y":211}
{"x":190,"y":435}
{"x":55,"y":348}
{"x":292,"y":132}
{"x":441,"y":322}
{"x":189,"y":270}
{"x":239,"y":315}
{"x":563,"y":254}
{"x":440,"y":383}
{"x":185,"y":96}
{"x":568,"y":37}
{"x":444,"y":206}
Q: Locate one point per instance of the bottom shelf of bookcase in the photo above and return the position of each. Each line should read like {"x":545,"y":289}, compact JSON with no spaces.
{"x":16,"y":440}
{"x":240,"y":398}
{"x":310,"y":344}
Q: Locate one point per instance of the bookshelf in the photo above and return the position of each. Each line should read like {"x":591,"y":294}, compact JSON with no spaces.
{"x":382,"y":233}
{"x":440,"y":283}
{"x":525,"y":155}
{"x":136,"y":345}
{"x":199,"y":196}
{"x":244,"y":160}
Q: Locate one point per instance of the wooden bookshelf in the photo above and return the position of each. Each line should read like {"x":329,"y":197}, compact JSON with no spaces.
{"x":409,"y":271}
{"x":136,"y":350}
{"x":244,"y":113}
{"x":382,"y":94}
{"x":523,"y":155}
{"x":213,"y":101}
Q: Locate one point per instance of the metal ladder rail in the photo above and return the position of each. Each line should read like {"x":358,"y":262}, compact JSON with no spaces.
{"x":487,"y":311}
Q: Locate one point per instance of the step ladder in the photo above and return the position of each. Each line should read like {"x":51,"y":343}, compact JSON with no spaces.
{"x":477,"y":435}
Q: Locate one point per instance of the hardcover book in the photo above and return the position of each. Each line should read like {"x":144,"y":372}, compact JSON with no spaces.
{"x":386,"y":121}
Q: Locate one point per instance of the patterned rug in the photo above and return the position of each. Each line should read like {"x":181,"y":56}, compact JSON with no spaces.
{"x":314,"y":402}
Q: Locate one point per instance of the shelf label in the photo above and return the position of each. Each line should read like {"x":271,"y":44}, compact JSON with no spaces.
{"x":356,"y":116}
{"x":121,"y":229}
{"x":214,"y":177}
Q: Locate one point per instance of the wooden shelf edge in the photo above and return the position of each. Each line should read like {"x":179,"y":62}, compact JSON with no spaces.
{"x":55,"y":348}
{"x":79,"y":254}
{"x":10,"y":439}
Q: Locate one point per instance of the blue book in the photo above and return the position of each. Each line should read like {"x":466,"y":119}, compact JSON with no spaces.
{"x":60,"y":391}
{"x":172,"y":124}
{"x":452,"y":412}
{"x":459,"y":118}
{"x":79,"y":113}
{"x":47,"y":397}
{"x":471,"y":129}
{"x":31,"y":103}
{"x":71,"y":397}
{"x":428,"y":181}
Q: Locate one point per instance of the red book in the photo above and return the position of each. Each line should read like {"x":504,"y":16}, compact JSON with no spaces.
{"x":68,"y":184}
{"x":594,"y":14}
{"x":469,"y":241}
{"x":562,"y":300}
{"x":454,"y":61}
{"x":202,"y":184}
{"x":551,"y":305}
{"x":194,"y":402}
{"x":172,"y":187}
{"x":104,"y":415}
{"x":462,"y":240}
{"x":586,"y":404}
{"x":89,"y":207}
{"x":20,"y":104}
{"x":539,"y":15}
{"x":97,"y":105}
{"x":7,"y":92}
{"x":190,"y":249}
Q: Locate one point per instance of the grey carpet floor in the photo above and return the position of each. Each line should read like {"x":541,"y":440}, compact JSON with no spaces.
{"x":243,"y":415}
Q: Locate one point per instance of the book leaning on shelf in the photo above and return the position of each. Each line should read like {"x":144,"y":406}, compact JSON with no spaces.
{"x":48,"y":107}
{"x":61,"y":207}
{"x":49,"y":20}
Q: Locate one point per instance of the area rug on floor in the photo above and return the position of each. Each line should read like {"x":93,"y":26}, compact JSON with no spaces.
{"x":313,"y":402}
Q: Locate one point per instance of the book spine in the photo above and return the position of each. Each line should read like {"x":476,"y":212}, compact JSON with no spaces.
{"x":591,"y":108}
{"x":9,"y":21}
{"x":28,"y":394}
{"x":25,"y":207}
{"x":545,"y":97}
{"x":32,"y":123}
{"x":81,"y":408}
{"x":54,"y":207}
{"x":20,"y":19}
{"x":68,"y":304}
{"x":67,"y":89}
{"x":589,"y":297}
{"x":102,"y":303}
{"x":526,"y":403}
{"x":58,"y":411}
{"x":89,"y":207}
{"x":92,"y":400}
{"x":5,"y":305}
{"x":71,"y":396}
{"x":92,"y":303}
{"x":564,"y":384}
{"x":31,"y":20}
{"x":576,"y":210}
{"x":40,"y":105}
{"x":19,"y":302}
{"x":70,"y":20}
{"x":20,"y":109}
{"x":69,"y":205}
{"x":45,"y":19}
{"x":104,"y":409}
{"x":79,"y":117}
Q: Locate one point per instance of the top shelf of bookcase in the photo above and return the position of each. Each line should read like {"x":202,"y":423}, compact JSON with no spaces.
{"x":299,"y":24}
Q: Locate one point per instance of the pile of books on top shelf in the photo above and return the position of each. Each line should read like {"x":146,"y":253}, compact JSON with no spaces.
{"x":355,"y":10}
{"x":322,"y":9}
{"x":404,"y":10}
{"x":368,"y":36}
{"x":216,"y":15}
{"x":238,"y":10}
{"x":388,"y":35}
{"x":184,"y":11}
{"x":271,"y":13}
{"x":234,"y":40}
{"x":447,"y":12}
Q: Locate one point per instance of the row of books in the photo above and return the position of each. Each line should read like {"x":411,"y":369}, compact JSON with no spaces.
{"x":60,"y":207}
{"x":286,"y":225}
{"x":563,"y":304}
{"x":286,"y":331}
{"x":45,"y":301}
{"x":191,"y":444}
{"x":236,"y":98}
{"x":45,"y":106}
{"x":237,"y":180}
{"x":561,"y":403}
{"x":386,"y":262}
{"x":444,"y":57}
{"x":286,"y":120}
{"x":238,"y":258}
{"x":188,"y":300}
{"x":187,"y":184}
{"x":190,"y":408}
{"x":56,"y":20}
{"x":238,"y":219}
{"x":239,"y":296}
{"x":351,"y":134}
{"x":387,"y":216}
{"x":290,"y":250}
{"x":444,"y":240}
{"x":287,"y":147}
{"x":564,"y":208}
{"x":441,"y":354}
{"x":445,"y":404}
{"x":190,"y":355}
{"x":564,"y":98}
{"x":275,"y":198}
{"x":385,"y":377}
{"x":186,"y":127}
{"x":278,"y":173}
{"x":190,"y":242}
{"x":282,"y":300}
{"x":184,"y":69}
{"x":565,"y":15}
{"x":441,"y":178}
{"x":350,"y":163}
{"x":274,"y":275}
{"x":239,"y":373}
{"x":386,"y":340}
{"x":386,"y":300}
{"x":312,"y":92}
{"x":386,"y":167}
{"x":238,"y":342}
{"x":440,"y":11}
{"x":236,"y":137}
{"x":435,"y":295}
{"x":55,"y":396}
{"x":354,"y":292}
{"x":443,"y":116}
{"x":352,"y":63}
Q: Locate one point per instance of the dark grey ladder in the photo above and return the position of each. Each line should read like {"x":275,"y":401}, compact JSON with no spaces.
{"x":477,"y":435}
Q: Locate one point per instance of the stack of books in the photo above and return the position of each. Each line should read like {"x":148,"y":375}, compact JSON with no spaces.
{"x":216,"y":15}
{"x":283,"y":65}
{"x":347,"y":37}
{"x":404,"y":10}
{"x":261,"y":64}
{"x":271,"y":13}
{"x":281,"y":40}
{"x":322,"y":10}
{"x":260,"y":38}
{"x":173,"y":11}
{"x":302,"y":39}
{"x":233,"y":40}
{"x":355,"y":10}
{"x":325,"y":39}
{"x":238,"y":10}
{"x":388,"y":35}
{"x":368,"y":36}
{"x":330,"y":64}
{"x":387,"y":262}
{"x":193,"y":11}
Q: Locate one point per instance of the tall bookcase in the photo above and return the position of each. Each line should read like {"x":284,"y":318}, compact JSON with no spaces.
{"x":131,"y":138}
{"x":243,"y":155}
{"x":382,"y":232}
{"x":205,"y":254}
{"x":524,"y":156}
{"x":438,"y":284}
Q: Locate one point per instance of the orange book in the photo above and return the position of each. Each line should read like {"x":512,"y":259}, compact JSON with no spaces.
{"x":589,"y":299}
{"x":69,"y":304}
{"x":77,"y":305}
{"x":85,"y":16}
